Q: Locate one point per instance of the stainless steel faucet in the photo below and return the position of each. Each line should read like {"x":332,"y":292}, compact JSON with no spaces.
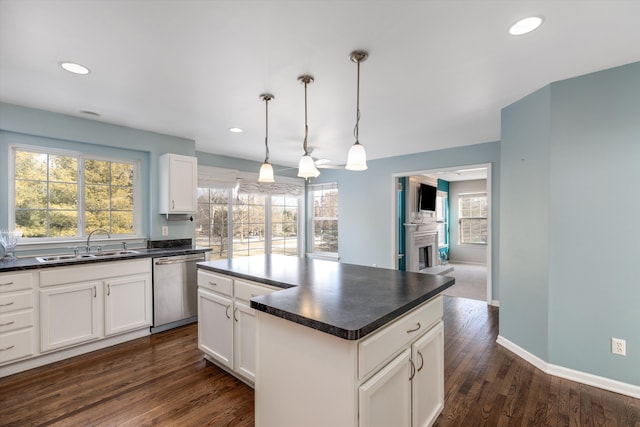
{"x":91,"y":234}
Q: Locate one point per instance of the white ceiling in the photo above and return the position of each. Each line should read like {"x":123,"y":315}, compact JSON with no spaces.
{"x":437,"y":76}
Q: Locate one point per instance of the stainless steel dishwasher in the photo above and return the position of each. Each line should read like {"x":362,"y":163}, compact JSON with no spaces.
{"x":175,"y":291}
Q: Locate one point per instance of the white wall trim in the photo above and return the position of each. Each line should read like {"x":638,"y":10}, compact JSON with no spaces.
{"x":570,"y":374}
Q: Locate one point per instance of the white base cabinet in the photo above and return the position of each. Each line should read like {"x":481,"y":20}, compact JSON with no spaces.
{"x":226,"y":322}
{"x":70,"y":314}
{"x":59,"y":312}
{"x":392,"y":377}
{"x":18,"y":316}
{"x":127,"y":304}
{"x":216,"y":339}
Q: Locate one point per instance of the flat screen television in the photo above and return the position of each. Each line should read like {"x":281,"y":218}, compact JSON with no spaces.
{"x":427,"y":197}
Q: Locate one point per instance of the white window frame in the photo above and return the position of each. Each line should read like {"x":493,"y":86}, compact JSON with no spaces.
{"x":82,"y":157}
{"x":461,"y":218}
{"x":229,"y":179}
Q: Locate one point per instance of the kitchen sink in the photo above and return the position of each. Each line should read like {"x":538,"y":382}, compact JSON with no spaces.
{"x":63,"y":257}
{"x":114,"y":253}
{"x":80,"y":257}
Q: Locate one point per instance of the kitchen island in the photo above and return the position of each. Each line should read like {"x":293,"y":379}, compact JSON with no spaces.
{"x":340,"y":344}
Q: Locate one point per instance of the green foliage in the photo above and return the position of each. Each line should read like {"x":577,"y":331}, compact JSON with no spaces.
{"x":47,"y":195}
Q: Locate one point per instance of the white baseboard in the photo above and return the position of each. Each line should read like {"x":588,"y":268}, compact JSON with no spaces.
{"x":570,"y":374}
{"x":495,"y":303}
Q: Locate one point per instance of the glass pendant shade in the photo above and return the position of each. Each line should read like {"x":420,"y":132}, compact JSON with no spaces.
{"x":357,"y":158}
{"x":306,"y":167}
{"x":266,"y":173}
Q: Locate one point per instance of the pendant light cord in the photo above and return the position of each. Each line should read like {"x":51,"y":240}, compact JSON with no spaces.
{"x":356,"y":129}
{"x":306,"y":126}
{"x":266,"y":127}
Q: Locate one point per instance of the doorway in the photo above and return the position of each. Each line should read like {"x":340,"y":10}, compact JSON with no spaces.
{"x":474,"y":272}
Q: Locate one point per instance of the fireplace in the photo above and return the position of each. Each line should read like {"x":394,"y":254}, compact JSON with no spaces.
{"x":425,"y":257}
{"x":421,"y":248}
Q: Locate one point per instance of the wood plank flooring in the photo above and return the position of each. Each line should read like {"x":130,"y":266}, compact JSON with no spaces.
{"x":163,"y":380}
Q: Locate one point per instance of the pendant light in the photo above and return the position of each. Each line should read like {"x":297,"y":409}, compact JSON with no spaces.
{"x":266,"y":170}
{"x":357,"y":158}
{"x":306,"y":167}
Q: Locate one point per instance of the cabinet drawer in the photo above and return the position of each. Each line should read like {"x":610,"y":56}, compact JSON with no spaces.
{"x":16,"y":320}
{"x":215,"y":282}
{"x":246,"y":290}
{"x":16,"y":301}
{"x":15,"y":282}
{"x":14,"y":345}
{"x":382,"y":345}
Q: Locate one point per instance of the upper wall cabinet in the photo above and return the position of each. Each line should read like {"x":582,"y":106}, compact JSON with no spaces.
{"x":178,"y":184}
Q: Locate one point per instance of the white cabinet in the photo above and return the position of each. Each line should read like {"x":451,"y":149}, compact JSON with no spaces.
{"x":428,"y":379}
{"x":244,"y":346}
{"x":87,"y":302}
{"x":392,"y":377}
{"x":70,"y":315}
{"x":215,"y":327}
{"x":127,"y":304}
{"x":17,"y":317}
{"x":178,"y":183}
{"x":385,"y":400}
{"x":226,"y":322}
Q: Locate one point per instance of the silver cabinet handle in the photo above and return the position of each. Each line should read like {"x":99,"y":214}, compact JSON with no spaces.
{"x":227,"y":312}
{"x":7,"y":324}
{"x":108,"y":289}
{"x":413,"y":370}
{"x":7,"y":348}
{"x":421,"y":361}
{"x":414,"y":329}
{"x":213,"y":283}
{"x":6,"y":284}
{"x":95,"y":292}
{"x":235,"y":311}
{"x":173,"y":204}
{"x":7,"y":304}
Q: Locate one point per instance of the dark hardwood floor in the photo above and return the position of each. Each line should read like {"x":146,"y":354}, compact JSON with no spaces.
{"x":163,"y":380}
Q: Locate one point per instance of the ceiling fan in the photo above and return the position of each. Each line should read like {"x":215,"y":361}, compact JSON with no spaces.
{"x":319,"y":163}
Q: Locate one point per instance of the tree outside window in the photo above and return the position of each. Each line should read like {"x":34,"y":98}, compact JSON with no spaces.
{"x":68,"y":195}
{"x":324,"y":221}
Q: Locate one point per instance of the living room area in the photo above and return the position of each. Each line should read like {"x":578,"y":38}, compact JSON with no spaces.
{"x":444,"y":227}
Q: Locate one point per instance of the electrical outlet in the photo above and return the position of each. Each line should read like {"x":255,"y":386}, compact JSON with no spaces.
{"x":618,"y":346}
{"x":165,"y":230}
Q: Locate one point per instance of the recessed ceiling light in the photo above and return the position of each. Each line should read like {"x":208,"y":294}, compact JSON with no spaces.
{"x":525,"y":25}
{"x":72,"y":67}
{"x":235,"y":130}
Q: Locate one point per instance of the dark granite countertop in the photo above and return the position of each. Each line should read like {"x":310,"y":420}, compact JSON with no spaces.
{"x":345,"y":300}
{"x":29,"y":263}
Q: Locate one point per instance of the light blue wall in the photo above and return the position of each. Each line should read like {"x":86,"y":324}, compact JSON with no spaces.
{"x":26,"y":125}
{"x":589,"y":163}
{"x":366,"y":200}
{"x":524,"y":222}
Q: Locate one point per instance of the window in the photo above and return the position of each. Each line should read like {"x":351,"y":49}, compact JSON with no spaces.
{"x":324,"y":218}
{"x":62,"y":195}
{"x":442,"y":217}
{"x":472,"y":216}
{"x":284,"y":225}
{"x":260,"y":218}
{"x":212,"y":221}
{"x":249,"y":225}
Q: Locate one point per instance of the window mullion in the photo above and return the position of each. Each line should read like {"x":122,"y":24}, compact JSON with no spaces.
{"x":81,"y":200}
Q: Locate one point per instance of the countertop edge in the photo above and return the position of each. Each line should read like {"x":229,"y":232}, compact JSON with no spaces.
{"x":348,"y":334}
{"x":30,"y":263}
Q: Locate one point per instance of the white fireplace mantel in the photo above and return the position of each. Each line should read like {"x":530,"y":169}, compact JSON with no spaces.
{"x":420,"y":236}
